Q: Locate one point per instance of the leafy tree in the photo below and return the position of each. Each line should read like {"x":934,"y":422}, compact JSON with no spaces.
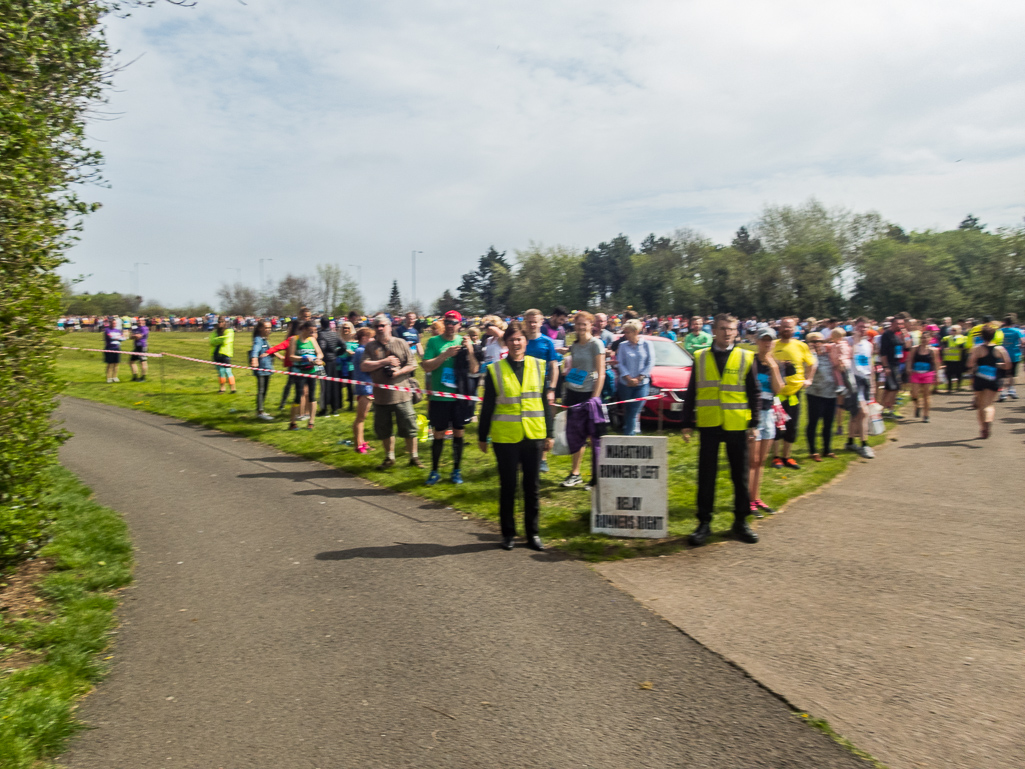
{"x":487,"y":288}
{"x":238,"y":299}
{"x":293,"y":293}
{"x":744,"y":243}
{"x":546,"y":277}
{"x":349,"y":297}
{"x":394,"y":299}
{"x":54,"y":70}
{"x":102,"y":304}
{"x":971,"y":222}
{"x":329,"y":285}
{"x":446,"y":302}
{"x":606,"y":269}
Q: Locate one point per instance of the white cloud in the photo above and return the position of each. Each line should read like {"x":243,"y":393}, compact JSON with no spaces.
{"x":320,"y":131}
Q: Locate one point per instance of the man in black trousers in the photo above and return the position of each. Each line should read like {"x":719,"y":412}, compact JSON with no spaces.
{"x":722,"y":401}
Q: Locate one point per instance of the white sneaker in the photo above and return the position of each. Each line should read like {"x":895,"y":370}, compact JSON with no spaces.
{"x":116,"y":379}
{"x":110,"y":380}
{"x":866,"y":452}
{"x":572,"y":480}
{"x":265,"y":417}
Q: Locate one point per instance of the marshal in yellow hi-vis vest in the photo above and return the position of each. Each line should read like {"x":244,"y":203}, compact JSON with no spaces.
{"x":722,"y":400}
{"x":953,"y":347}
{"x":519,"y":411}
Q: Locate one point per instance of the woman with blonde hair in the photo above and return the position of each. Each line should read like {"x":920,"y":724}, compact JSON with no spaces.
{"x":585,"y":378}
{"x":494,"y":345}
{"x":634,"y":360}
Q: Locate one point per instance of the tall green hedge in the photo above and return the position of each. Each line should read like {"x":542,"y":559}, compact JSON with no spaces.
{"x":53,"y":60}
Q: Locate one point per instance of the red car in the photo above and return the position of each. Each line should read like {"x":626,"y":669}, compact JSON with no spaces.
{"x":671,"y":371}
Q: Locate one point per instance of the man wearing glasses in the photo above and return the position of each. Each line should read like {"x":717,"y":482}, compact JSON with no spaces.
{"x":389,"y":361}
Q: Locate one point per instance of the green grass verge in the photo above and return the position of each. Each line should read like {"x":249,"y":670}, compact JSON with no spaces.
{"x":823,"y":726}
{"x":188,"y":391}
{"x":61,"y":639}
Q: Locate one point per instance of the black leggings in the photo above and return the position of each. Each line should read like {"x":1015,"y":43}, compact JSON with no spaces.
{"x":824,"y":409}
{"x":262,"y":382}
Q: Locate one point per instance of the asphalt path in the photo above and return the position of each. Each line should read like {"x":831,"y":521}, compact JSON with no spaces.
{"x":890,"y":602}
{"x":287,"y":615}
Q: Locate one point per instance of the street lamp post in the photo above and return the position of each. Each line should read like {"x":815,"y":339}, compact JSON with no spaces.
{"x":414,"y":275}
{"x":137,"y":281}
{"x":264,"y":259}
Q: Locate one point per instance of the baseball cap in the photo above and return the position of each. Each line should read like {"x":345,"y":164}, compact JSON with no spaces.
{"x":453,"y":315}
{"x":764,"y":331}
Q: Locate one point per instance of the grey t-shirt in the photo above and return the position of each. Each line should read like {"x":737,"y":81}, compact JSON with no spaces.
{"x":583,"y":370}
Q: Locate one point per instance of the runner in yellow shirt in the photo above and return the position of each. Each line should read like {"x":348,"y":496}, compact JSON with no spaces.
{"x":797,"y":376}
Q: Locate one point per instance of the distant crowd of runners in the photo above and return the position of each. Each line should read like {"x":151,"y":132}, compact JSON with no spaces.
{"x":749,"y":382}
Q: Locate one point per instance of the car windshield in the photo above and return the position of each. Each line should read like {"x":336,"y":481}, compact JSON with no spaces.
{"x":668,"y":354}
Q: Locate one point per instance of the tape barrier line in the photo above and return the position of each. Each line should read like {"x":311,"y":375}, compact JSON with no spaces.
{"x":454,"y":396}
{"x":119,"y":352}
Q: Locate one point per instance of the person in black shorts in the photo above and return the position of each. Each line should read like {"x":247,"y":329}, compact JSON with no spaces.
{"x":988,"y":362}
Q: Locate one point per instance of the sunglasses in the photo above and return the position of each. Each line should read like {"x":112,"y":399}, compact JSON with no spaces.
{"x":381,"y":325}
{"x":450,"y":322}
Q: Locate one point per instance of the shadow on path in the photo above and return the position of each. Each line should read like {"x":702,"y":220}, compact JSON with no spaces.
{"x":344,"y":493}
{"x":405,"y":550}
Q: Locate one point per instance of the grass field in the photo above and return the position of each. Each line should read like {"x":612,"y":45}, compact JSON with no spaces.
{"x":189,"y":391}
{"x":57,"y":618}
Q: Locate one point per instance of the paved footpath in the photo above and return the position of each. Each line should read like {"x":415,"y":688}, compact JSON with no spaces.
{"x":891,"y":603}
{"x":286,"y":616}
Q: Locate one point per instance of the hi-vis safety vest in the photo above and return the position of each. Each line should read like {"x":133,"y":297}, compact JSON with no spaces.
{"x":722,"y":400}
{"x":519,"y":411}
{"x":953,"y":347}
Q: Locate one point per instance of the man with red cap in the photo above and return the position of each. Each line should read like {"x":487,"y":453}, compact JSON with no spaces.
{"x":448,"y":358}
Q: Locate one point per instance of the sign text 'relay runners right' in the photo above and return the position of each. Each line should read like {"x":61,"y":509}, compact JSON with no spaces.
{"x":631,"y":496}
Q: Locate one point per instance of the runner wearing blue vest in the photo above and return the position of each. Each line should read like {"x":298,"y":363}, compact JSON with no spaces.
{"x":517,"y":417}
{"x":1012,"y":344}
{"x":721,"y":399}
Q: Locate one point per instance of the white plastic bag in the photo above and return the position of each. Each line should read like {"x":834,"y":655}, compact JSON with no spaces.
{"x":560,"y":447}
{"x":875,"y":419}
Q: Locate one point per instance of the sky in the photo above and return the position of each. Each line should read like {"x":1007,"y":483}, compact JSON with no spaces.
{"x":354,"y":133}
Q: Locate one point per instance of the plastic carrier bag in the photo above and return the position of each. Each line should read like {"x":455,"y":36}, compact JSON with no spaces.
{"x":875,"y":419}
{"x":560,"y":446}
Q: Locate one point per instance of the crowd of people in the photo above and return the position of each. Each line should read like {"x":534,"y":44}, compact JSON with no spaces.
{"x":750,"y":382}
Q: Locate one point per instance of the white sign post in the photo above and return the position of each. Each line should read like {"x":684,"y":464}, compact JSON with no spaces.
{"x":631,"y":498}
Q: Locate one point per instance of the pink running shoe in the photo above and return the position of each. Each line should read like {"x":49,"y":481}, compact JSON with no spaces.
{"x":362,"y":448}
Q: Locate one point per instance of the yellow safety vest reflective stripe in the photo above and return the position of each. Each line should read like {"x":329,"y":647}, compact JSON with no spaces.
{"x":722,"y":399}
{"x":519,"y":410}
{"x":954,"y":347}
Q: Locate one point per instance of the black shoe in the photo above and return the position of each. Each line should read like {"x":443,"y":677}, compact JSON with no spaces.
{"x":742,"y":532}
{"x":700,"y":535}
{"x":507,"y":543}
{"x":535,"y":543}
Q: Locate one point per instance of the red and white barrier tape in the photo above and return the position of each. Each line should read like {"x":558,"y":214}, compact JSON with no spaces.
{"x":120,"y":352}
{"x":454,"y":396}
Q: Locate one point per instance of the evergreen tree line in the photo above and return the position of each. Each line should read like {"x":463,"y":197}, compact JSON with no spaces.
{"x":805,"y":260}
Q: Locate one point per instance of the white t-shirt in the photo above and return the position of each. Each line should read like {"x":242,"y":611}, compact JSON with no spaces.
{"x":861,"y":356}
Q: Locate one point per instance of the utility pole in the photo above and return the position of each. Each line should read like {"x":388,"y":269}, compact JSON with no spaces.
{"x":137,"y":281}
{"x":265,"y":259}
{"x":414,"y":274}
